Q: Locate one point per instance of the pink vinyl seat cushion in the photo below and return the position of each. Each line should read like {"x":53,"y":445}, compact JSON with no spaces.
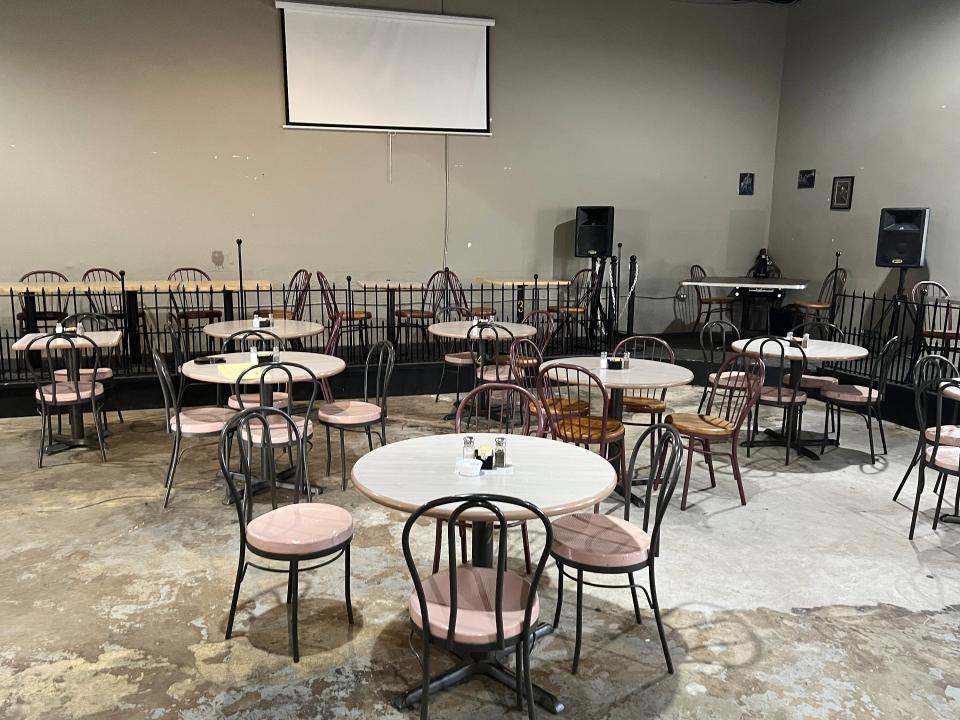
{"x":599,"y":540}
{"x":202,"y":420}
{"x":855,"y":394}
{"x":67,"y":392}
{"x":103,"y":373}
{"x":250,"y":400}
{"x":349,"y":412}
{"x":300,"y":529}
{"x":476,"y":605}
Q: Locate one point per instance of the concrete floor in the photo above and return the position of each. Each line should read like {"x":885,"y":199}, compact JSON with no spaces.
{"x":809,"y":602}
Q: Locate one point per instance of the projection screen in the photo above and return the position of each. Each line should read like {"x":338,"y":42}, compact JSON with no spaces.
{"x":357,"y":69}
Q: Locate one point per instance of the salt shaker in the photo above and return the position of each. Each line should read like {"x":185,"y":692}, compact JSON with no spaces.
{"x":276,"y":352}
{"x":500,"y":452}
{"x":58,"y":329}
{"x":80,"y":328}
{"x":469,"y":447}
{"x":253,"y":355}
{"x":603,"y":360}
{"x":256,"y":320}
{"x":626,"y":360}
{"x":270,"y":319}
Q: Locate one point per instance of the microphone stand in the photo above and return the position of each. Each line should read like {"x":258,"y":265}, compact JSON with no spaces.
{"x":243,"y":304}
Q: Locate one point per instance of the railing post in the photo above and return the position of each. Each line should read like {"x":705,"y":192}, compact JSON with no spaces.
{"x":613,"y":302}
{"x":632,"y":279}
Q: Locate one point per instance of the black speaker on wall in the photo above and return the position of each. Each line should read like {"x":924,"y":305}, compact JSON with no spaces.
{"x":594,"y":236}
{"x":902,"y":241}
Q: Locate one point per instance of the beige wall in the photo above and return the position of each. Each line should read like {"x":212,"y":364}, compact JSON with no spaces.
{"x":864,"y":86}
{"x":146,"y":135}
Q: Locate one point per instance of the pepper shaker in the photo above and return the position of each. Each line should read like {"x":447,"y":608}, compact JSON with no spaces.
{"x":500,"y":452}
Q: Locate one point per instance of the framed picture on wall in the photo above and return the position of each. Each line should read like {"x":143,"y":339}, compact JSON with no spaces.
{"x":746,"y":183}
{"x":841,"y":197}
{"x":806,"y":179}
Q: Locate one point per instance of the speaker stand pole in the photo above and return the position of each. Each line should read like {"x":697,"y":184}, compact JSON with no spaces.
{"x":893,"y":309}
{"x":243,"y":305}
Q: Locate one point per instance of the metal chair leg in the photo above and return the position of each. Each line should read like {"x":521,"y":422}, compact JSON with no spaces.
{"x":241,"y":571}
{"x":343,"y":461}
{"x":636,"y":600}
{"x":913,"y":464}
{"x":346,"y":584}
{"x":916,"y":503}
{"x":292,"y":610}
{"x":556,"y":614}
{"x":656,"y":614}
{"x":576,"y":647}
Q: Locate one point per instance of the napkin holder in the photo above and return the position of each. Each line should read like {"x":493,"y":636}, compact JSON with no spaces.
{"x":615,"y":363}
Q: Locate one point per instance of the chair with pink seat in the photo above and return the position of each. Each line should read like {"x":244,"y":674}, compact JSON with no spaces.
{"x":362,"y":415}
{"x":481,"y":614}
{"x":303,"y":534}
{"x":941,"y":449}
{"x":191,"y":422}
{"x":786,"y":394}
{"x":74,"y":389}
{"x":608,"y":545}
{"x":259,"y":339}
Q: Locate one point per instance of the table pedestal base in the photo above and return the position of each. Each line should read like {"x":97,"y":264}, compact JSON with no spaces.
{"x":800,"y":444}
{"x":483,"y":665}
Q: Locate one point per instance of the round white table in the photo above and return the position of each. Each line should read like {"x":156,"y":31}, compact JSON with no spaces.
{"x":322,"y":366}
{"x":641,"y":375}
{"x":557,"y":477}
{"x":281,"y":327}
{"x":457,"y":329}
{"x":816,"y":350}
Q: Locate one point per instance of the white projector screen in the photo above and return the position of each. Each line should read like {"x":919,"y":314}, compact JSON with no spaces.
{"x":356,"y":69}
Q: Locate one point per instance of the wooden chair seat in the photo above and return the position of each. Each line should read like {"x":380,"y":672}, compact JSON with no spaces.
{"x":564,"y":406}
{"x":640,"y":404}
{"x":208,"y":314}
{"x":41,"y":315}
{"x":708,"y":426}
{"x":355,"y":315}
{"x":480,"y":311}
{"x":588,"y":429}
{"x":813,"y":305}
{"x":278,"y":313}
{"x":418,"y":314}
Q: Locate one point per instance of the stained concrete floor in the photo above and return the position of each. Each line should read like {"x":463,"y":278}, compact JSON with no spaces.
{"x":809,"y":602}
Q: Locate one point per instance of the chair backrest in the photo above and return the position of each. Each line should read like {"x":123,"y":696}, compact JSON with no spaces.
{"x":663,"y":471}
{"x":98,"y":300}
{"x":436,"y":293}
{"x":280,"y":374}
{"x":178,"y":339}
{"x":881,"y":365}
{"x":833,"y":285}
{"x":277,"y":427}
{"x":734,"y":398}
{"x":698,"y":273}
{"x":582,"y":289}
{"x":928,"y":291}
{"x":94,"y":322}
{"x":295,"y":297}
{"x":525,"y":361}
{"x":262,"y":337}
{"x":332,"y":346}
{"x":646,"y":347}
{"x":935,"y":308}
{"x":483,"y":339}
{"x":716,"y":337}
{"x":926,"y":369}
{"x":376,"y":377}
{"x":774,"y":352}
{"x":171,"y":399}
{"x":937,"y":415}
{"x":819,"y":330}
{"x":328,"y":296}
{"x":546,"y":327}
{"x":457,"y":294}
{"x":189,"y":299}
{"x":56,"y":350}
{"x":501,"y":408}
{"x":576,"y":405}
{"x":46,"y":276}
{"x":494,"y":506}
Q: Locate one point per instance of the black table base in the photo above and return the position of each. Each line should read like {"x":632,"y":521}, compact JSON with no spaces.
{"x":801,"y":444}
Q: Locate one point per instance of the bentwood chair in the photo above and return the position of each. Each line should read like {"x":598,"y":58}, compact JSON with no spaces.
{"x":435,"y":296}
{"x":460,"y":299}
{"x":352,"y":320}
{"x":263,"y":339}
{"x":280,"y":374}
{"x":103,"y":303}
{"x":456,"y":353}
{"x":708,"y":302}
{"x":331,"y":347}
{"x":500,"y":409}
{"x":832,"y":286}
{"x":54,"y":397}
{"x":607,"y":545}
{"x":938,"y":316}
{"x":817,"y":330}
{"x":927,"y":368}
{"x":716,"y":337}
{"x":941,"y":452}
{"x":51,"y":308}
{"x":864,"y":400}
{"x":485,"y":340}
{"x":191,"y":422}
{"x":109,"y":360}
{"x":575,"y":304}
{"x":564,"y":390}
{"x":362,"y":415}
{"x":480,"y":613}
{"x":720,"y":418}
{"x":525,"y":362}
{"x":294,"y":297}
{"x":546,"y":327}
{"x":189,"y":303}
{"x":651,"y":403}
{"x":786,"y":394}
{"x":304,"y":535}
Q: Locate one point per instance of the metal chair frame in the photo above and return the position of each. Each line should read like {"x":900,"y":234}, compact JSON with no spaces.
{"x":941,"y":390}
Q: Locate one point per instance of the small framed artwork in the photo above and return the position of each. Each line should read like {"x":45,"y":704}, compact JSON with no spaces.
{"x":806,"y":179}
{"x":746,"y":183}
{"x":841,"y":197}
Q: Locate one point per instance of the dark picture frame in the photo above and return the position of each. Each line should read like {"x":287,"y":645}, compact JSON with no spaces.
{"x":841,"y":195}
{"x":806,"y":179}
{"x":746,"y":183}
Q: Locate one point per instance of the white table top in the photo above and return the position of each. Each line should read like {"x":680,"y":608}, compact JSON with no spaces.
{"x":817,"y":350}
{"x":100,"y":338}
{"x":226,"y":373}
{"x":283,"y":328}
{"x":517,"y":282}
{"x":641,"y":375}
{"x":749,"y":283}
{"x":458,"y":329}
{"x":557,"y":477}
